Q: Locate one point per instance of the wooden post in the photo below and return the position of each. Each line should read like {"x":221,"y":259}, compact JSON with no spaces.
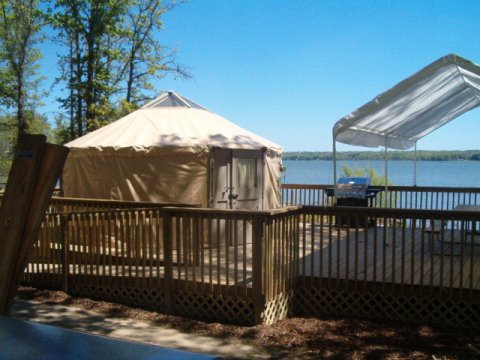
{"x":168,"y":261}
{"x":257,"y":267}
{"x":65,"y":251}
{"x":14,"y":207}
{"x":35,"y":169}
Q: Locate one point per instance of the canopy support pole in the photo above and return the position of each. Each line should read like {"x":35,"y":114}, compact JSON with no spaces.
{"x":415,"y":165}
{"x":334,"y":171}
{"x":386,"y":173}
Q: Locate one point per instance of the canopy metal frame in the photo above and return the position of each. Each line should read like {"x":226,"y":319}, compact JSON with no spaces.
{"x":412,"y":109}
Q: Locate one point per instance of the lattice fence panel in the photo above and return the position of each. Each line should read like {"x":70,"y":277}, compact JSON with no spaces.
{"x":146,"y":298}
{"x":40,"y":280}
{"x":229,"y":309}
{"x":317,"y":301}
{"x":279,"y":308}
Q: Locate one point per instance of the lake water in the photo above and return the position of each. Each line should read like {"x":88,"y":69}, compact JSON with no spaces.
{"x":429,"y":173}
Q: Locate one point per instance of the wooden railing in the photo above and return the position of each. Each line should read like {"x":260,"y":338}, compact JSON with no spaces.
{"x":68,"y":205}
{"x":398,"y":197}
{"x":280,"y":253}
{"x":305,"y":194}
{"x":185,"y":253}
{"x":247,"y":266}
{"x":417,"y":251}
{"x":426,"y":197}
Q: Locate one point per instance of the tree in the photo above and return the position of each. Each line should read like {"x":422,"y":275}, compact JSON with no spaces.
{"x":20,"y":24}
{"x":35,"y":124}
{"x":369,"y":172}
{"x":146,"y":58}
{"x":112,"y":57}
{"x":8,"y":137}
{"x":61,"y":132}
{"x":87,"y":26}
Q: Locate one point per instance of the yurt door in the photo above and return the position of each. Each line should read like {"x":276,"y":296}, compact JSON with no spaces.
{"x":247,"y":179}
{"x":220,"y":181}
{"x":237,"y":179}
{"x":236,"y":184}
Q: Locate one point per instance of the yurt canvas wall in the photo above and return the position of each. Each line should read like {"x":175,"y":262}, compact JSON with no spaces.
{"x":168,"y":151}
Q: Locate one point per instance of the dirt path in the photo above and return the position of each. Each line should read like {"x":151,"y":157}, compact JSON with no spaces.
{"x":295,"y":338}
{"x":96,"y":323}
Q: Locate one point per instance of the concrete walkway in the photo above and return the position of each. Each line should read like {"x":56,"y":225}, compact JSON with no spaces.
{"x":96,"y":323}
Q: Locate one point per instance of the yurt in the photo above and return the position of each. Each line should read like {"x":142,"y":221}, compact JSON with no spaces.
{"x":173,"y":150}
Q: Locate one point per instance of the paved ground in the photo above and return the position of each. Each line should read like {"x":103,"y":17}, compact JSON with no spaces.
{"x":96,"y":323}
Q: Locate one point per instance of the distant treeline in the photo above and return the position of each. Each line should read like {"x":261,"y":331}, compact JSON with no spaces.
{"x":441,"y":155}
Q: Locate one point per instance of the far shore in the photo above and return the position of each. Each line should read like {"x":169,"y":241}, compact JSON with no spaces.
{"x":421,"y":155}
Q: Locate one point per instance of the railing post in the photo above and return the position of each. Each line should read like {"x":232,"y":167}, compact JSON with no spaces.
{"x":257,"y":267}
{"x":65,"y":252}
{"x":168,"y":258}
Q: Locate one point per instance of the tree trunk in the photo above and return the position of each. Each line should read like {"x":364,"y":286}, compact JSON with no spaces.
{"x":20,"y":112}
{"x":78,"y":78}
{"x":90,"y":88}
{"x":130,"y":77}
{"x":90,"y":114}
{"x":72,"y":94}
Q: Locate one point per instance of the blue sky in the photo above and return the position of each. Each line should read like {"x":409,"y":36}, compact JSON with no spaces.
{"x":288,"y":70}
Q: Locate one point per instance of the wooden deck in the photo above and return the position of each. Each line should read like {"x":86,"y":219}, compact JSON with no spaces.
{"x":180,"y":261}
{"x":232,"y":267}
{"x":405,"y":257}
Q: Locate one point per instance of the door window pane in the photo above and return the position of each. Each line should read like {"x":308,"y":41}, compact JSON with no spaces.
{"x":247,"y":173}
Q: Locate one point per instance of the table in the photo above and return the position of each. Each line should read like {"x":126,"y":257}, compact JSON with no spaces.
{"x":452,"y":246}
{"x":471,"y":208}
{"x":467,"y":208}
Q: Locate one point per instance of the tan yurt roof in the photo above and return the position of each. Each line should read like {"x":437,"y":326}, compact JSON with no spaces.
{"x":171,"y":120}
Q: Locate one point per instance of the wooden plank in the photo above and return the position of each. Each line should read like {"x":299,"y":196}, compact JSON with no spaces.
{"x":168,"y":256}
{"x":235,"y":256}
{"x":44,"y":169}
{"x":15,"y":206}
{"x":257,"y":268}
{"x":65,"y":244}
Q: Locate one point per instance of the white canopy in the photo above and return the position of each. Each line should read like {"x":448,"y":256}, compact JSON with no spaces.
{"x":414,"y":107}
{"x":171,"y":120}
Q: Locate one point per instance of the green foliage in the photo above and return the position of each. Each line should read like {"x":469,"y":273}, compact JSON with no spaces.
{"x":61,"y":131}
{"x":111,"y":57}
{"x":8,"y":132}
{"x":144,"y":57}
{"x":112,"y":54}
{"x":20,"y":25}
{"x":36,"y":124}
{"x":427,"y":155}
{"x":88,"y":29}
{"x":369,"y":172}
{"x":125,"y":107}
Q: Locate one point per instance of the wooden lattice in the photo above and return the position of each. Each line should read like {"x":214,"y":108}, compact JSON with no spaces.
{"x":228,"y":309}
{"x":154,"y":259}
{"x":318,"y":301}
{"x":41,"y":280}
{"x":147,"y":298}
{"x":279,"y":308}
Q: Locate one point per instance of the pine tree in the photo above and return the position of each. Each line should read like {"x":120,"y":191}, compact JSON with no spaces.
{"x":20,"y":25}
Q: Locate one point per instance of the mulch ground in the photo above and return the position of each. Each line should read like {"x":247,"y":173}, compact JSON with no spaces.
{"x":306,"y":338}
